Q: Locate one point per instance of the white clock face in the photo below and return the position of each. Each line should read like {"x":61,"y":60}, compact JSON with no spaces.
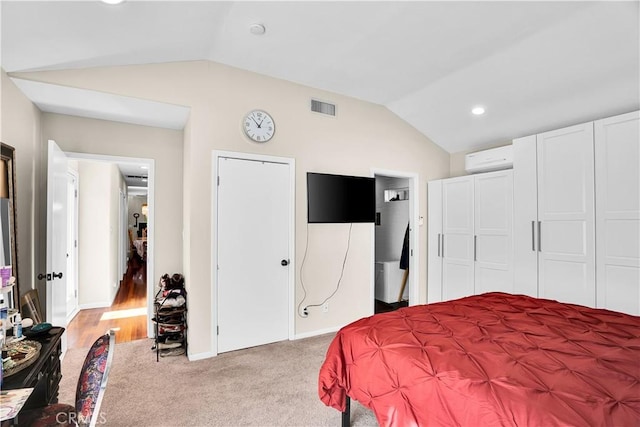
{"x":259,"y":126}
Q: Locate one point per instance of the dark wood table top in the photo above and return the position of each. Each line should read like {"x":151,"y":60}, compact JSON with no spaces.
{"x":28,"y":376}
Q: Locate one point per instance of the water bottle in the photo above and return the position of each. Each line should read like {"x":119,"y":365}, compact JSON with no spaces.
{"x":17,"y":326}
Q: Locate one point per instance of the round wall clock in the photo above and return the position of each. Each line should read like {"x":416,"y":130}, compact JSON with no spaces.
{"x":259,"y":126}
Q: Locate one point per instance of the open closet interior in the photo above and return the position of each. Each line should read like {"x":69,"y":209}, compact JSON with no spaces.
{"x":391,"y":243}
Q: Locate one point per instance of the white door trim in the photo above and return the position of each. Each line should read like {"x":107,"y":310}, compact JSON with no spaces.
{"x":56,"y":236}
{"x":74,"y":249}
{"x":215,"y":156}
{"x":150,"y":163}
{"x":414,"y":242}
{"x":122,"y":234}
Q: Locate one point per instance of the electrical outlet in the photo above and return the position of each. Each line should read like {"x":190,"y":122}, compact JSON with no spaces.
{"x":325,"y":307}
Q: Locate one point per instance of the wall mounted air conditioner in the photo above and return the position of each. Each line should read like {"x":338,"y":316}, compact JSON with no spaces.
{"x":489,"y":160}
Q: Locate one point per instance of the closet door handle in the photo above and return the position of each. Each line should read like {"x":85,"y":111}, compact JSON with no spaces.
{"x":533,"y":236}
{"x":438,"y":244}
{"x":475,"y":248}
{"x":442,"y":245}
{"x":539,"y":236}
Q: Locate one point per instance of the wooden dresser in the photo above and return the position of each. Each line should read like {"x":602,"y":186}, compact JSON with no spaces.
{"x":44,"y":375}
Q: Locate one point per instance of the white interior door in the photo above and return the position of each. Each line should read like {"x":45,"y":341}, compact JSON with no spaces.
{"x":253,"y":203}
{"x":525,"y":216}
{"x":566,"y":212}
{"x":617,"y":149}
{"x":57,"y":250}
{"x":457,"y":214}
{"x":493,"y":226}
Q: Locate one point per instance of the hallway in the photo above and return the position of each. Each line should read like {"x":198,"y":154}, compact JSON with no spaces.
{"x":128,"y":312}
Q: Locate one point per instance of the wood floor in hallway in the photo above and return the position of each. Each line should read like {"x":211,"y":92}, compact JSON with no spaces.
{"x":128,"y":312}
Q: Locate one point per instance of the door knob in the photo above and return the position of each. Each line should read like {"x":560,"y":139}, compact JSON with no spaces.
{"x":284,"y":262}
{"x":44,"y":276}
{"x":57,"y":275}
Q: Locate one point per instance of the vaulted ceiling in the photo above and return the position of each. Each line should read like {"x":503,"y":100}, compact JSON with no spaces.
{"x":534,"y":66}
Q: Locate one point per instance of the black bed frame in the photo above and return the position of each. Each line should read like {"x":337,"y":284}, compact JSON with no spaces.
{"x":346,"y":415}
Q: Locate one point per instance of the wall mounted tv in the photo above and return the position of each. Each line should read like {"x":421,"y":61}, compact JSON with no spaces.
{"x":340,"y":198}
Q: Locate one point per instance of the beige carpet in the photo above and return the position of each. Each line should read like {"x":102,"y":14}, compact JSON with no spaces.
{"x":271,"y":385}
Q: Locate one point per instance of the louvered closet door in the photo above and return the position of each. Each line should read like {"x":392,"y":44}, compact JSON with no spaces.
{"x":566,"y":212}
{"x":618,"y":212}
{"x":493,"y":225}
{"x":457,"y":264}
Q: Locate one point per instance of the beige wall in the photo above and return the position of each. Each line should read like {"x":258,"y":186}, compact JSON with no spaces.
{"x":456,"y":161}
{"x":163,"y":146}
{"x":363,"y":136}
{"x":97,"y":222}
{"x":20,"y":128}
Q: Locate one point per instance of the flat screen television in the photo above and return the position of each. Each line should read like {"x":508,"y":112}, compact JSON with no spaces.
{"x":340,"y":198}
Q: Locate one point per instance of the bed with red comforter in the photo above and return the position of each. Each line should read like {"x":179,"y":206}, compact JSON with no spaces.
{"x":489,"y":360}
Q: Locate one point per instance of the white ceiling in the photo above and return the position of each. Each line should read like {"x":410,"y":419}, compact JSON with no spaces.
{"x":534,"y":65}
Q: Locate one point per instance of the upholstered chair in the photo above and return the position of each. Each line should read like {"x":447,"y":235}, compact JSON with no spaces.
{"x":89,"y":392}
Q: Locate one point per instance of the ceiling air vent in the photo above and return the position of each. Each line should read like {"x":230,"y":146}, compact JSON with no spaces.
{"x":323,"y":107}
{"x":136,"y":176}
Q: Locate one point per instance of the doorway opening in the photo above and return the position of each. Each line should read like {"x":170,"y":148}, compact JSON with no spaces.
{"x":130,"y":257}
{"x":395,"y":241}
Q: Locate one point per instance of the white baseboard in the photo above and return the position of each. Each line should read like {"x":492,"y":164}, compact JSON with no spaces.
{"x":209,"y":354}
{"x":200,"y":356}
{"x":73,"y":315}
{"x":316,"y":333}
{"x":94,"y":305}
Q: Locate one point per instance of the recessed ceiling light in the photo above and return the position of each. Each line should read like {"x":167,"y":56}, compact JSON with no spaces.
{"x":112,"y":1}
{"x":257,"y":29}
{"x":478,"y":111}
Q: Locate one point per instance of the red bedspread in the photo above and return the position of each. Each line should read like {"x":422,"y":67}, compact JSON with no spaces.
{"x":486,"y":360}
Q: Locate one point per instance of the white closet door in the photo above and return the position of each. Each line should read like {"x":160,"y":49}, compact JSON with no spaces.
{"x":617,"y":149}
{"x":566,"y":212}
{"x":525,"y":216}
{"x":434,"y":222}
{"x":253,"y":240}
{"x":493,"y":199}
{"x":457,"y":264}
